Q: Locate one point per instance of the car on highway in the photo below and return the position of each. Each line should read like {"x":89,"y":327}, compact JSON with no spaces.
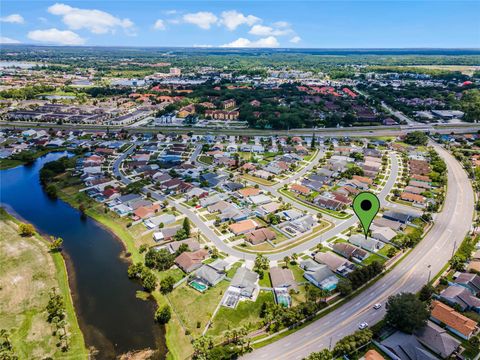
{"x":377,"y":306}
{"x":363,"y":325}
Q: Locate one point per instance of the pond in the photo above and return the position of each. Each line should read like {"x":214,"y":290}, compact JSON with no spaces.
{"x":112,"y":318}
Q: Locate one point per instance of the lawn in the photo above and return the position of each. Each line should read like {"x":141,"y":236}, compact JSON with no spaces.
{"x":265,"y":281}
{"x":206,"y":159}
{"x":245,"y":314}
{"x":297,"y":273}
{"x":187,"y":303}
{"x":258,"y":180}
{"x":27,"y":274}
{"x":384,"y":251}
{"x":372,"y":258}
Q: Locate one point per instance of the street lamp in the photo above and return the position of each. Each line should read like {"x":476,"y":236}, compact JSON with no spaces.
{"x":429,"y":273}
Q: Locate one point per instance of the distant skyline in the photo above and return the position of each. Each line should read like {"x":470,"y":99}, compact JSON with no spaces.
{"x":245,"y":24}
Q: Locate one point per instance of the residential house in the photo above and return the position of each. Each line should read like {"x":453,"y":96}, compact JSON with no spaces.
{"x":259,"y":236}
{"x":455,"y":322}
{"x":368,"y":243}
{"x":243,"y":227}
{"x":246,"y":281}
{"x":322,"y":277}
{"x":460,"y":297}
{"x":350,"y":252}
{"x":335,"y":263}
{"x":210,"y":275}
{"x":469,"y":281}
{"x":190,"y":261}
{"x":384,"y":234}
{"x":437,"y":340}
{"x":193,"y":245}
{"x":283,"y":278}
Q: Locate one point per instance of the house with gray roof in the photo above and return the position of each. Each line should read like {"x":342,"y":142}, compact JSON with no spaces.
{"x":193,"y":245}
{"x":401,"y":346}
{"x":383,"y":233}
{"x":335,"y":262}
{"x":469,"y":281}
{"x":368,"y":243}
{"x":437,"y":340}
{"x":461,"y":297}
{"x":322,"y":277}
{"x":210,"y":275}
{"x":246,"y":281}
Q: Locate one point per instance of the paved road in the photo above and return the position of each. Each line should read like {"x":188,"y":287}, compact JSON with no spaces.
{"x":451,"y":226}
{"x":333,"y":132}
{"x":195,"y":153}
{"x":118,"y":162}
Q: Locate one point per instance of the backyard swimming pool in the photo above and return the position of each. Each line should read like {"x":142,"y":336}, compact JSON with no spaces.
{"x":199,"y":286}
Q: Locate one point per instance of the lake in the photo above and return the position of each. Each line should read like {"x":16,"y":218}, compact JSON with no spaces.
{"x":112,"y":318}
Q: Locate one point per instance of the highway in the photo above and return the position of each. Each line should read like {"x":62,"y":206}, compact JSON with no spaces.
{"x":451,"y":226}
{"x":360,"y":131}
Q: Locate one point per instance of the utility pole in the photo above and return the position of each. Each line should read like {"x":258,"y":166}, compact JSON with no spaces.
{"x":429,"y":273}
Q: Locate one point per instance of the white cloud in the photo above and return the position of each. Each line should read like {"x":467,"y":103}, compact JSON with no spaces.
{"x":159,"y":25}
{"x":13,"y":19}
{"x":268,"y":42}
{"x":295,"y":39}
{"x":202,"y":46}
{"x":96,"y":21}
{"x":170,"y":12}
{"x":233,"y":19}
{"x":203,"y":19}
{"x":7,"y":40}
{"x":262,"y":30}
{"x":55,"y":36}
{"x":281,"y":24}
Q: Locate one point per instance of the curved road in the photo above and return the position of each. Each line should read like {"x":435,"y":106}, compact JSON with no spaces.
{"x":451,"y":226}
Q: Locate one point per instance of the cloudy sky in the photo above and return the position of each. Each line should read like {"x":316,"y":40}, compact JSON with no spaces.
{"x":305,"y":24}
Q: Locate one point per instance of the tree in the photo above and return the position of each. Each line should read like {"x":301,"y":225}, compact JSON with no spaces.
{"x":406,"y":312}
{"x":344,"y":286}
{"x":186,"y":226}
{"x":163,"y":314}
{"x":426,"y":292}
{"x":351,"y":343}
{"x":261,"y":264}
{"x":55,"y":244}
{"x":52,"y":191}
{"x":166,"y":285}
{"x":55,"y":306}
{"x":135,"y":271}
{"x":416,"y":138}
{"x":6,"y":348}
{"x":149,"y":280}
{"x":202,"y":347}
{"x":26,"y":229}
{"x":159,"y":259}
{"x":325,"y":354}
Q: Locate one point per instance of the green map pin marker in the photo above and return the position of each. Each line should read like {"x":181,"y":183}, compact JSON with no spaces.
{"x":366,"y":206}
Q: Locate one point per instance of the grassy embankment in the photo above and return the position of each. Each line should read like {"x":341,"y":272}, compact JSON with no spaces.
{"x":27,"y":275}
{"x":177,"y":342}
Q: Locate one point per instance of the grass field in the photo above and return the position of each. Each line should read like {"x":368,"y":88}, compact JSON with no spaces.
{"x":27,"y":275}
{"x":195,"y":308}
{"x":246,"y":314}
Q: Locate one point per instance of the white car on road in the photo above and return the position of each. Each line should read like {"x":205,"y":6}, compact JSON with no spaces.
{"x":377,"y":306}
{"x":363,"y":325}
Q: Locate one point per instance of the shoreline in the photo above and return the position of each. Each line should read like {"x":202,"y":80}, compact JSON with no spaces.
{"x":65,"y":282}
{"x":156,"y":298}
